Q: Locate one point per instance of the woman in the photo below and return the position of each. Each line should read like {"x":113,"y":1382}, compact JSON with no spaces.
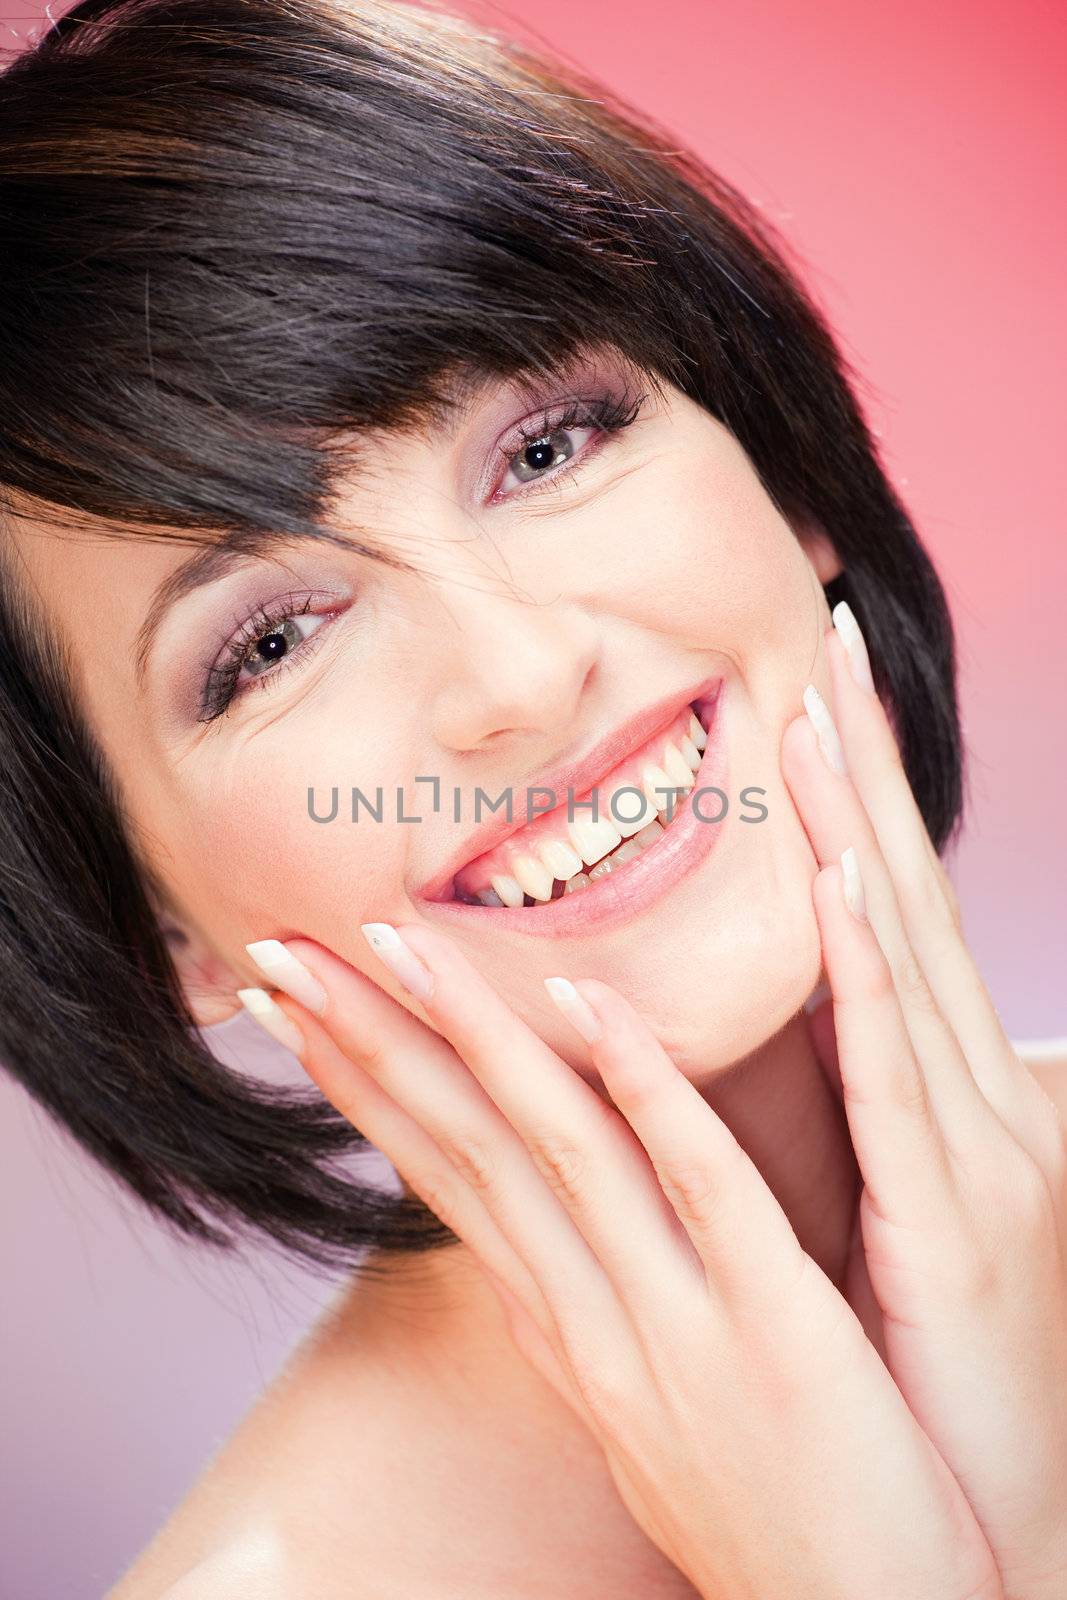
{"x":390,"y":423}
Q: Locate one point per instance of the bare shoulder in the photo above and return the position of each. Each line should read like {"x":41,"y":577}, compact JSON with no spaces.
{"x":223,"y":1538}
{"x":289,"y":1506}
{"x":253,"y":1565}
{"x":1047,"y":1061}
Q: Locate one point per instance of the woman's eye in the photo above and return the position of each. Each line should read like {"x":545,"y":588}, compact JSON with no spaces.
{"x":263,"y":649}
{"x":541,"y":457}
{"x":540,"y":449}
{"x":283,"y":639}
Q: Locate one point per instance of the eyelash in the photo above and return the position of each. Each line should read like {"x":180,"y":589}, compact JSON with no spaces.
{"x":609,"y":414}
{"x":220,"y":684}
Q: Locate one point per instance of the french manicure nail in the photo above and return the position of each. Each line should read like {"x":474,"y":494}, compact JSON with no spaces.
{"x":825,"y":731}
{"x":403,"y":963}
{"x":577,"y":1010}
{"x":286,"y":972}
{"x":853,"y":885}
{"x":851,"y":636}
{"x":258,"y":1004}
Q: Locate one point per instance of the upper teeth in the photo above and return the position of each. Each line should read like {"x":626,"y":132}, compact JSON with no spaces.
{"x":533,"y":874}
{"x":508,"y":889}
{"x":593,"y":839}
{"x":590,"y":841}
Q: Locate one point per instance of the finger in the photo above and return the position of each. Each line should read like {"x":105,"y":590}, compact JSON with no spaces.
{"x":738,"y":1230}
{"x":387,"y":1043}
{"x":895,"y":1133}
{"x":438,"y":1086}
{"x":835,"y":819}
{"x":587,"y":1155}
{"x":928,"y":906}
{"x":820,"y":1023}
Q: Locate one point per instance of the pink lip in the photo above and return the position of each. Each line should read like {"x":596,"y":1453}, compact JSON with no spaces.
{"x":622,"y":894}
{"x":579,"y":774}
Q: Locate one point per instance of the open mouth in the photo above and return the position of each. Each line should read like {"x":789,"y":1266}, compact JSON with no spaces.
{"x":637,"y":803}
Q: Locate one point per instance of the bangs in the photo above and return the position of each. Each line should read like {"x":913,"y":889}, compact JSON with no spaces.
{"x":261,"y":231}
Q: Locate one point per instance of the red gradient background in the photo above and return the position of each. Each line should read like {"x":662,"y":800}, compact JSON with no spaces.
{"x":913,"y":156}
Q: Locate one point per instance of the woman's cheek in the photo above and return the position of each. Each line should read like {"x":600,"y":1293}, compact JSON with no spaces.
{"x":708,"y":562}
{"x":267,"y":852}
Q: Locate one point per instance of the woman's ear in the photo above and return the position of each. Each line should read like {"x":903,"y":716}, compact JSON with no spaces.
{"x":209,"y":983}
{"x":819,"y":550}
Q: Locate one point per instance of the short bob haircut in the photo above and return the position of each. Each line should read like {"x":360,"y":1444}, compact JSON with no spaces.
{"x":234,"y":231}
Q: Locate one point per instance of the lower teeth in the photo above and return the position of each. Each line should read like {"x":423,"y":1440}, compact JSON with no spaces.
{"x":626,"y":851}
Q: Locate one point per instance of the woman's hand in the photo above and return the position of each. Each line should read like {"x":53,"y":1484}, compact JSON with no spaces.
{"x":963,"y":1155}
{"x":650,"y":1275}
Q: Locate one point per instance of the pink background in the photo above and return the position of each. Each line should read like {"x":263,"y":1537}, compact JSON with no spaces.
{"x":914,"y":156}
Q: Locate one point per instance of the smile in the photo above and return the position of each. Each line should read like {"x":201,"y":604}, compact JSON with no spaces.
{"x":574,"y":867}
{"x":557,"y":855}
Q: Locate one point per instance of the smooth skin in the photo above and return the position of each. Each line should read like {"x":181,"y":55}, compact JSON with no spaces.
{"x":652,"y":1277}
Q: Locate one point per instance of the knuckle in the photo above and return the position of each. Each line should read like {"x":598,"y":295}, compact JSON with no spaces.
{"x":437,"y":1190}
{"x":944,"y":882}
{"x":1030,"y":1204}
{"x":564,"y":1167}
{"x":471,"y":1160}
{"x":911,"y":982}
{"x":928,"y":899}
{"x":1050,"y":1142}
{"x":977,"y":1274}
{"x":901,"y":1082}
{"x":1056,"y":1157}
{"x":891,"y":761}
{"x":372,"y":1056}
{"x":605,"y":1386}
{"x":636,"y":1098}
{"x":691,"y":1188}
{"x":952,"y":901}
{"x":924,"y":899}
{"x":1010,"y":1217}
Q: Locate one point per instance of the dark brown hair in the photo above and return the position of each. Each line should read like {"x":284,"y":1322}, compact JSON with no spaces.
{"x":232,"y":231}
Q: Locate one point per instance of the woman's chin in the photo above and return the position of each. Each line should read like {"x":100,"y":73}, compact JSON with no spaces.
{"x":747,"y":969}
{"x":732,"y":992}
{"x":702,"y":1046}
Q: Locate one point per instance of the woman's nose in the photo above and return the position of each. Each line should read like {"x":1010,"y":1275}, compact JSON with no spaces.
{"x":510,"y":666}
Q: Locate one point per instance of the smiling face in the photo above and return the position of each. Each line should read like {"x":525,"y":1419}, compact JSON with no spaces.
{"x":572,"y":602}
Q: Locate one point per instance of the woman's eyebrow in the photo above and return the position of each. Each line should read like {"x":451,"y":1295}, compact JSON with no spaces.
{"x":458,"y":393}
{"x":206,"y":565}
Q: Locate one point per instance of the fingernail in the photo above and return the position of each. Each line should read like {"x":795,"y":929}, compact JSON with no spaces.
{"x":853,"y":885}
{"x":286,"y":972}
{"x":258,"y":1004}
{"x":577,"y":1010}
{"x":848,"y":629}
{"x":825,"y":731}
{"x":403,"y":963}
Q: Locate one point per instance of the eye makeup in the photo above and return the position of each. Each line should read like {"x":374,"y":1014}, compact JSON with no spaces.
{"x":273,"y":623}
{"x":535,"y":444}
{"x":269,"y":613}
{"x":605,"y":414}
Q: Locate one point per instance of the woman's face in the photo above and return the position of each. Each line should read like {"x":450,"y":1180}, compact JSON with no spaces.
{"x":570,"y":603}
